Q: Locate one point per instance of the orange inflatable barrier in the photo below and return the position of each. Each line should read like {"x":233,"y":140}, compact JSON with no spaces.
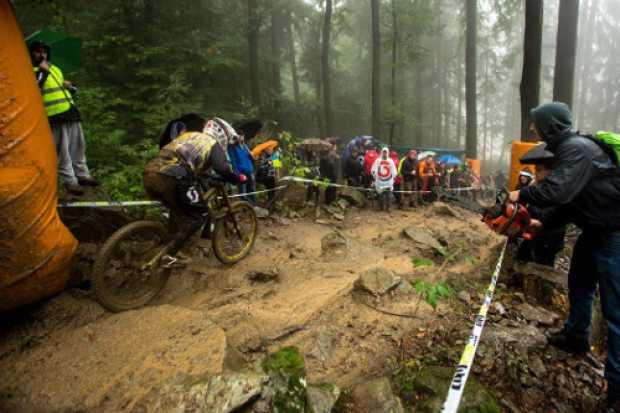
{"x":518,"y":150}
{"x":474,"y":165}
{"x":36,"y":249}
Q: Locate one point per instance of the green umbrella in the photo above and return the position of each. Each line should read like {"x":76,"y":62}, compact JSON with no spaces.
{"x":65,"y":51}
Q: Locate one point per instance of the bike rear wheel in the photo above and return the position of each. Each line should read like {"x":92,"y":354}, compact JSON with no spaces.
{"x":229,"y":245}
{"x":120,"y":279}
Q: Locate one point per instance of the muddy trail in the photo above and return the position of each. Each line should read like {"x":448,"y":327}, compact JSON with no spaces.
{"x":347,"y":292}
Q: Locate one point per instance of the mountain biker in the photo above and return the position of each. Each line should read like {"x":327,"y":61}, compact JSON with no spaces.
{"x":173,"y":178}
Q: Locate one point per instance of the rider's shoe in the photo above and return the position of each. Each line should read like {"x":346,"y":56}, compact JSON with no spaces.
{"x":174,"y":261}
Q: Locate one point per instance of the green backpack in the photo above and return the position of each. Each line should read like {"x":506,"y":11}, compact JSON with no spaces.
{"x":610,"y":139}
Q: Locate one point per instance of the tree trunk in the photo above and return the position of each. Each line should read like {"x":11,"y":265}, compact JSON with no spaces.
{"x":376,"y":70}
{"x":276,"y":34}
{"x":564,"y":77}
{"x":327,"y":93}
{"x":253,"y":52}
{"x":459,"y":109}
{"x":486,"y":113}
{"x":439,"y":86}
{"x":471,"y":145}
{"x":586,"y":58}
{"x":394,"y":61}
{"x":293,"y":61}
{"x":530,"y":79}
{"x":418,"y":107}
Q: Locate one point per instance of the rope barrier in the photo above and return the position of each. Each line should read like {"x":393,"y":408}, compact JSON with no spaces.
{"x":113,"y":203}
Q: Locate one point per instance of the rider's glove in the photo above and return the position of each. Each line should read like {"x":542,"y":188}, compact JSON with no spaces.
{"x":242,"y":178}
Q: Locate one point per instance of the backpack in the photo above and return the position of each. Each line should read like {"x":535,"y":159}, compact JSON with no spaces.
{"x":609,"y":143}
{"x":611,"y":140}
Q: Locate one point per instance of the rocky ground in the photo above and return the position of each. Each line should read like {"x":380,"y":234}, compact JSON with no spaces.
{"x":342,"y":309}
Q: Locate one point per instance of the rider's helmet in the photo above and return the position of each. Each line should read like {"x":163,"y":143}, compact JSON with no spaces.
{"x":221,"y":131}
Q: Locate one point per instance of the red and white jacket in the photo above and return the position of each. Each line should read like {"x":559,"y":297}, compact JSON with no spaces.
{"x":384,"y":171}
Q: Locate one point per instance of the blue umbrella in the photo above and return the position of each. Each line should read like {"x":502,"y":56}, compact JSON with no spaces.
{"x":358,"y":141}
{"x":449,"y":160}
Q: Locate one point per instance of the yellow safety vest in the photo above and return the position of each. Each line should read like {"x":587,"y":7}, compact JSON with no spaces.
{"x":56,"y":98}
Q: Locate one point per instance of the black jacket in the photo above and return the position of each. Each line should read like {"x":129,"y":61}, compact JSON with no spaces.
{"x":352,"y":167}
{"x":328,"y":168}
{"x":584,"y":183}
{"x":409,"y":166}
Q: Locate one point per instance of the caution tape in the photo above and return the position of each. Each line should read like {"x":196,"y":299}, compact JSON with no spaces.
{"x":457,"y":386}
{"x":359,"y":188}
{"x":113,"y":203}
{"x":104,"y":204}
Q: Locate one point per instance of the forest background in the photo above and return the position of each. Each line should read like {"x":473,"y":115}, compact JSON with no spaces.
{"x":310,"y":68}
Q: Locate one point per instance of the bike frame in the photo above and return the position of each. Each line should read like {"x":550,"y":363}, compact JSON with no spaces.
{"x":217,"y":194}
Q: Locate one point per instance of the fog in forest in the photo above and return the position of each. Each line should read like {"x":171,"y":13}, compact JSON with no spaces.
{"x":144,"y":62}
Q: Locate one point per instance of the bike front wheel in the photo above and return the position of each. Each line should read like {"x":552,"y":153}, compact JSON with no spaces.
{"x":234,"y":234}
{"x":126,"y":273}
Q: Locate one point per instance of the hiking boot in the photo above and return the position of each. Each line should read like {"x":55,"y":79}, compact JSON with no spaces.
{"x":569,"y":342}
{"x":174,"y":261}
{"x":74,"y":189}
{"x":88,"y":181}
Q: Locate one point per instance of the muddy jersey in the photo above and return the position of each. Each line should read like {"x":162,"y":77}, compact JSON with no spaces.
{"x":192,"y":153}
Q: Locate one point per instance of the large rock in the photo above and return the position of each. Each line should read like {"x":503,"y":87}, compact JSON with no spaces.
{"x":334,"y":243}
{"x":526,"y":337}
{"x":287,"y":386}
{"x":539,"y":315}
{"x":322,"y":398}
{"x":323,"y":347}
{"x":423,"y":239}
{"x":444,"y":210}
{"x":428,"y":388}
{"x":117,"y":360}
{"x":377,"y":281}
{"x":376,"y":396}
{"x":209,"y":394}
{"x":353,"y":196}
{"x":542,"y":284}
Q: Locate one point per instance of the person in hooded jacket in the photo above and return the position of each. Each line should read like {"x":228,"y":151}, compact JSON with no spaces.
{"x":584,"y":186}
{"x":370,"y":156}
{"x":243,"y":163}
{"x":384,"y":173}
{"x":64,"y":119}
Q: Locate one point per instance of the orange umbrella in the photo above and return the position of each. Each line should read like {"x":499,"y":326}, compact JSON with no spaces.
{"x":262,"y":147}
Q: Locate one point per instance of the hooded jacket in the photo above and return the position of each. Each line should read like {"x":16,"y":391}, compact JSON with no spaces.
{"x":584,"y":182}
{"x":384,"y":171}
{"x":369,"y":160}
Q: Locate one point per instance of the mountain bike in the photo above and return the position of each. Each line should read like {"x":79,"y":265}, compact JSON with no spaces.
{"x":128,"y":273}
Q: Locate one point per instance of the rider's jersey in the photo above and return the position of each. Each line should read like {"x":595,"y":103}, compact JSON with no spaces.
{"x":192,"y":154}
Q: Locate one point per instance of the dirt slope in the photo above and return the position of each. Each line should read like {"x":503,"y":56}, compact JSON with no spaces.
{"x":69,"y":353}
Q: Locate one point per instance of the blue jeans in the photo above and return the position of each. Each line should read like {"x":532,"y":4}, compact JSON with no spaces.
{"x":596,"y":260}
{"x":248,"y":186}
